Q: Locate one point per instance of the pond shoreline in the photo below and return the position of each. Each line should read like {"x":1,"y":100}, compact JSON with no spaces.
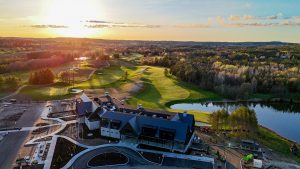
{"x":255,"y":100}
{"x":271,"y":114}
{"x":282,"y":137}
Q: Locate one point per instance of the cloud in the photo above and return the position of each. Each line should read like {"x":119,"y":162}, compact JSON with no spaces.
{"x":95,"y":21}
{"x":220,"y":20}
{"x":193,"y":26}
{"x":272,"y":17}
{"x":248,"y":17}
{"x":270,"y":24}
{"x":296,"y":19}
{"x":234,"y":18}
{"x":106,"y":24}
{"x":255,"y":24}
{"x":291,"y":23}
{"x":49,"y":26}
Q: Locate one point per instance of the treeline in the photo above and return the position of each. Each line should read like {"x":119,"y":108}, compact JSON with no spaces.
{"x":241,"y":120}
{"x":233,"y":79}
{"x":45,"y":76}
{"x":36,"y":60}
{"x":67,"y":76}
{"x":10,"y":82}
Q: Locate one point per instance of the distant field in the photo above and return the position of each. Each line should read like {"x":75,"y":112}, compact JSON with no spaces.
{"x":158,"y":91}
{"x":99,"y":79}
{"x":24,"y":75}
{"x":133,"y":57}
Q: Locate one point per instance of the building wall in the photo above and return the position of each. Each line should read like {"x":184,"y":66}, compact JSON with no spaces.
{"x":94,"y":107}
{"x":107,"y":132}
{"x":92,"y":125}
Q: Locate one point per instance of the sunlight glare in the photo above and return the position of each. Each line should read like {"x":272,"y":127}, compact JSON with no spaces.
{"x":71,"y":13}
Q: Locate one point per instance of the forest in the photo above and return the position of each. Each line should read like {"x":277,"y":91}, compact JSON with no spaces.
{"x":236,"y":73}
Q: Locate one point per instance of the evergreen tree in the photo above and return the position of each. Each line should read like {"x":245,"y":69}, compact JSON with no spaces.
{"x":45,"y":76}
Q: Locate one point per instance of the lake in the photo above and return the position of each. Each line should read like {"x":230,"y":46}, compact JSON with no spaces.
{"x":282,"y":118}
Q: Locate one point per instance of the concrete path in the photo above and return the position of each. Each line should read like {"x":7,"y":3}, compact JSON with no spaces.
{"x":60,"y":122}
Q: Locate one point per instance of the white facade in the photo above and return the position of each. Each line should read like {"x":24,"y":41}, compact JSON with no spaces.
{"x":113,"y":133}
{"x":92,"y":125}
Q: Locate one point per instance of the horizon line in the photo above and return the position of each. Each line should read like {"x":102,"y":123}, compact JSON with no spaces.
{"x":89,"y":38}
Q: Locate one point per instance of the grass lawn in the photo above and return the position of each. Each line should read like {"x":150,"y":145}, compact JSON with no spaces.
{"x":24,"y":75}
{"x":106,"y":78}
{"x":102,"y":78}
{"x":159,"y":91}
{"x":275,"y":142}
{"x":55,"y":91}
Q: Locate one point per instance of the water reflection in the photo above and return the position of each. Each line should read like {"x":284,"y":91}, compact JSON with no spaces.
{"x":283,"y":118}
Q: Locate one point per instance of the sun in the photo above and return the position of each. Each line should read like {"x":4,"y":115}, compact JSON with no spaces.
{"x":72,"y":14}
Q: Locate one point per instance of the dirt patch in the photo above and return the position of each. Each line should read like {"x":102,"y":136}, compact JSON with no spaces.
{"x":136,"y":87}
{"x":14,"y":117}
{"x":10,"y":120}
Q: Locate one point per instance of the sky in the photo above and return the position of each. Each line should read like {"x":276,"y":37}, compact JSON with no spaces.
{"x":182,"y":20}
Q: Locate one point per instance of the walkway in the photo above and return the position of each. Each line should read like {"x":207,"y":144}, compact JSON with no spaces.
{"x":60,"y":122}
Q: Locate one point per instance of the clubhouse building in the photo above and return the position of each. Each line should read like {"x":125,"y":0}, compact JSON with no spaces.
{"x":173,"y":132}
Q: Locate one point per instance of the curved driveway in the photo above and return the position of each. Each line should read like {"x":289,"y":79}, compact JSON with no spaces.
{"x":133,"y":156}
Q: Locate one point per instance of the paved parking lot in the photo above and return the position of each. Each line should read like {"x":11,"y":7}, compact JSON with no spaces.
{"x":11,"y":143}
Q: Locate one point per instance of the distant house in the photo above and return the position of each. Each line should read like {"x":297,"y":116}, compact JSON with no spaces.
{"x":169,"y":131}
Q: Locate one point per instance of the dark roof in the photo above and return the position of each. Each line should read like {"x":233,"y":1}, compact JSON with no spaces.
{"x":180,"y":128}
{"x":137,"y":122}
{"x":123,"y":118}
{"x":185,"y":118}
{"x":82,"y":108}
{"x":93,"y":117}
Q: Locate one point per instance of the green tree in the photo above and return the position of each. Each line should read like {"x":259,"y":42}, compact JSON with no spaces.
{"x":45,"y":76}
{"x":166,"y":72}
{"x":244,"y":119}
{"x":125,"y":75}
{"x":12,"y":81}
{"x":1,"y":80}
{"x":219,"y":119}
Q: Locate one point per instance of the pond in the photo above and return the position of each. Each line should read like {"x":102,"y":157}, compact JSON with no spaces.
{"x":282,"y":118}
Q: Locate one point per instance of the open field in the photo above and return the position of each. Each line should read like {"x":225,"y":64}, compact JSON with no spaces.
{"x":101,"y":78}
{"x":54,"y":91}
{"x":24,"y":75}
{"x":51,"y":91}
{"x":159,"y":91}
{"x":145,"y":85}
